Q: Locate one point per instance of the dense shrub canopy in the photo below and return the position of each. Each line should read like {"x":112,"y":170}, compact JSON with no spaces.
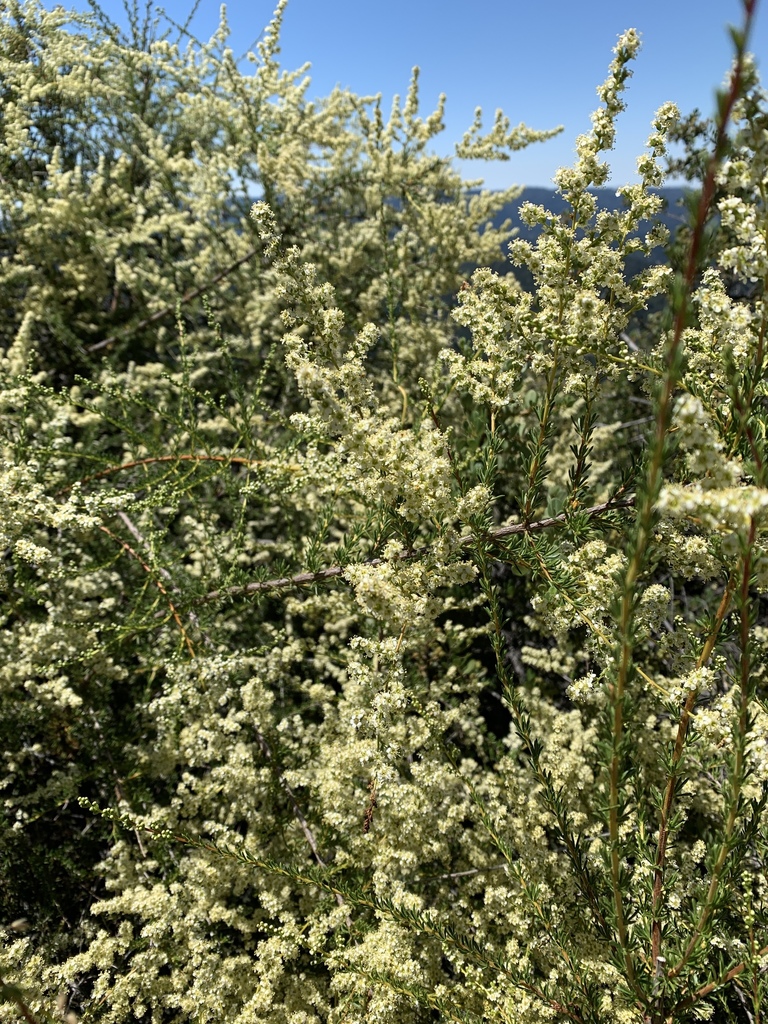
{"x":383,"y":641}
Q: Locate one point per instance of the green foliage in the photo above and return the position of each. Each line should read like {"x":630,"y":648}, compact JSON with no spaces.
{"x":382,"y":642}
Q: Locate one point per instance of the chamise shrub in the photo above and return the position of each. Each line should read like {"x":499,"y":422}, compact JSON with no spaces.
{"x":383,"y":641}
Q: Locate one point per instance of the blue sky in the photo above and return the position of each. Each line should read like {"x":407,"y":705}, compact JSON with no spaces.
{"x":539,"y":61}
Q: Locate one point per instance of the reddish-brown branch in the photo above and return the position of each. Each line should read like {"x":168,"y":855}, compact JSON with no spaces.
{"x":738,"y":768}
{"x":671,"y":788}
{"x":22,"y":1007}
{"x":705,"y":990}
{"x":334,"y":571}
{"x":187,"y":297}
{"x":158,"y":583}
{"x":232,"y":460}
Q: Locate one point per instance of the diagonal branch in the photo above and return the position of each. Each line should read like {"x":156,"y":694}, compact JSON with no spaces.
{"x":672,"y":774}
{"x":706,"y":990}
{"x":230,"y":460}
{"x":334,"y":571}
{"x":297,"y":811}
{"x":187,"y":297}
{"x":740,"y":769}
{"x":12,"y":994}
{"x":163,"y":572}
{"x":158,"y":583}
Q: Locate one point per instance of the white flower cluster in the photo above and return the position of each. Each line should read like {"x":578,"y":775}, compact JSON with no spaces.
{"x":721,"y":509}
{"x":699,"y":681}
{"x":402,"y":593}
{"x":27,"y":510}
{"x":583,"y":299}
{"x":494,"y":310}
{"x":705,"y":457}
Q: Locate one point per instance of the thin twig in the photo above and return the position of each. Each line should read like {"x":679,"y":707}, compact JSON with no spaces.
{"x":334,"y":571}
{"x":739,"y":770}
{"x":298,"y":813}
{"x":672,"y":776}
{"x":308,"y":834}
{"x":11,"y":993}
{"x":134,"y":554}
{"x":163,"y":572}
{"x":187,"y":297}
{"x":463,"y":874}
{"x":708,"y":989}
{"x":233,"y":460}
